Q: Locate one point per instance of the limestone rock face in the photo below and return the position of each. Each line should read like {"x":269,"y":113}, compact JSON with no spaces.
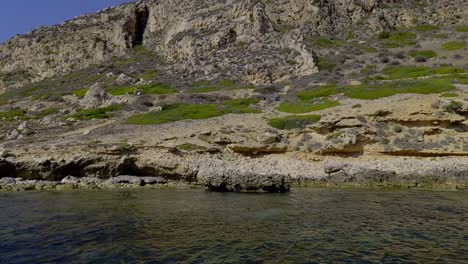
{"x":245,"y":38}
{"x":94,"y":97}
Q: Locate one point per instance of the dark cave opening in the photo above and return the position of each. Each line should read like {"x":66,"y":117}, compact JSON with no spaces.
{"x":141,"y":22}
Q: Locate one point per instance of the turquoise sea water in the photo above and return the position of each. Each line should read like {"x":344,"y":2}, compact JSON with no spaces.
{"x":194,"y":226}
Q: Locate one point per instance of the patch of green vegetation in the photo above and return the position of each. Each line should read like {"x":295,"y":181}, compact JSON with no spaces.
{"x":397,"y":38}
{"x":368,"y":49}
{"x":462,"y":28}
{"x":453,"y":45}
{"x":448,"y":70}
{"x":440,"y":35}
{"x":293,"y":122}
{"x":282,"y":28}
{"x":46,"y":112}
{"x":367,"y":69}
{"x":208,"y":86}
{"x":325,"y":64}
{"x":334,"y":135}
{"x":205,"y":89}
{"x":457,"y":78}
{"x":423,"y":53}
{"x":240,"y":106}
{"x":425,"y":28}
{"x":323,"y":42}
{"x":148,"y":75}
{"x":298,"y":107}
{"x":321,"y":91}
{"x":425,"y":86}
{"x":190,"y":147}
{"x":15,"y":76}
{"x":98,"y":113}
{"x":28,"y":91}
{"x":449,"y":95}
{"x":123,"y":61}
{"x":154,"y":88}
{"x":226,"y":83}
{"x":182,"y":111}
{"x":80,"y":92}
{"x":140,"y":49}
{"x":406,"y":72}
{"x":454,"y":107}
{"x":15,"y":114}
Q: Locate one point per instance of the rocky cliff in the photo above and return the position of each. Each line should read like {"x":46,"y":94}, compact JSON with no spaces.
{"x":251,"y":40}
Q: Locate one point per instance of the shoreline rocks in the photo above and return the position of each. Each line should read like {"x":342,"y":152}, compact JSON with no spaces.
{"x":247,"y":183}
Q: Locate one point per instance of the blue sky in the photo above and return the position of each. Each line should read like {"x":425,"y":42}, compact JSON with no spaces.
{"x":20,"y":16}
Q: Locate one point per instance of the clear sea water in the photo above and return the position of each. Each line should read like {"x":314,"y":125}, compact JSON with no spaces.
{"x":194,"y":226}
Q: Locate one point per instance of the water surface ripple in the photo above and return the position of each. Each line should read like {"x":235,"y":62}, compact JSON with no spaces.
{"x":194,"y":226}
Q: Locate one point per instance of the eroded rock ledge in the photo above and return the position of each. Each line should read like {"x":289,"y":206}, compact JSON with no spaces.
{"x":229,"y":172}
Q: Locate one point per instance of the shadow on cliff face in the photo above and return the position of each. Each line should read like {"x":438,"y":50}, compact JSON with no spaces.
{"x":136,"y":26}
{"x":104,"y":168}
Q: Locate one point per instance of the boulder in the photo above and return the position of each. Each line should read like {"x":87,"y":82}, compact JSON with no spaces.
{"x":268,"y":138}
{"x":7,"y":180}
{"x":14,"y":134}
{"x":95,"y":97}
{"x":124,"y":79}
{"x":70,"y":180}
{"x":332,"y":166}
{"x":23,"y":126}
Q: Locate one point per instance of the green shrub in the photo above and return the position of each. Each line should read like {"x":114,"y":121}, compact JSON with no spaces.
{"x":398,"y":39}
{"x":462,"y":28}
{"x":367,"y":69}
{"x":406,"y":72}
{"x":423,"y":53}
{"x":298,"y":107}
{"x":226,"y":83}
{"x":14,"y":114}
{"x":317,"y":92}
{"x":453,"y":45}
{"x":98,"y":113}
{"x":322,"y":42}
{"x":204,"y":89}
{"x":368,"y":49}
{"x":426,"y":86}
{"x":80,"y":92}
{"x":177,"y":112}
{"x":448,"y":70}
{"x":293,"y":122}
{"x":325,"y":64}
{"x":449,"y":95}
{"x":208,"y":86}
{"x":46,"y":112}
{"x":148,"y":75}
{"x":454,"y":107}
{"x":383,"y":35}
{"x":426,"y":28}
{"x":155,"y":88}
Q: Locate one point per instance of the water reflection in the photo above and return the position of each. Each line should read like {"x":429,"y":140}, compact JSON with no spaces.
{"x":193,"y":226}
